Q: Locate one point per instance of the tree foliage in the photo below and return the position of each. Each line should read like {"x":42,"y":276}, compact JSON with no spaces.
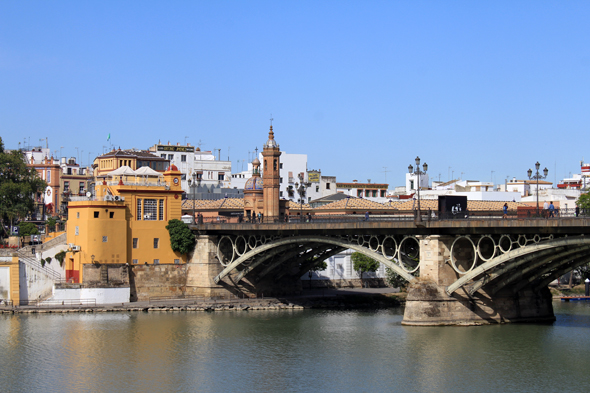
{"x":27,"y":229}
{"x":362,"y":264}
{"x":319,"y":266}
{"x":51,"y":222}
{"x":18,"y":185}
{"x":182,"y":239}
{"x":394,"y":279}
{"x":583,"y":202}
{"x":60,"y":256}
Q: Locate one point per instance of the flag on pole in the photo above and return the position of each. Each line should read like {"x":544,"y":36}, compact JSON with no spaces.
{"x":109,"y":137}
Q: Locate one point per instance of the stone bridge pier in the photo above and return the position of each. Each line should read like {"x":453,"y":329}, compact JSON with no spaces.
{"x":429,"y":302}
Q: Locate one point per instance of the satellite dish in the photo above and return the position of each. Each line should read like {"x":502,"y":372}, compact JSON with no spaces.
{"x":88,"y":194}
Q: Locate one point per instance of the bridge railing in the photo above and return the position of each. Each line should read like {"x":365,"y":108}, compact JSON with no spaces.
{"x":403,"y":215}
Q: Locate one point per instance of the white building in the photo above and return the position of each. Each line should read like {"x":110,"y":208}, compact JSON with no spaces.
{"x":290,"y":169}
{"x":189,"y":160}
{"x":340,"y":268}
{"x":412,"y":182}
{"x":319,"y":186}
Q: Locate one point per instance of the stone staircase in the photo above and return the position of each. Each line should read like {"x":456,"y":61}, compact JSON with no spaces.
{"x":25,"y":256}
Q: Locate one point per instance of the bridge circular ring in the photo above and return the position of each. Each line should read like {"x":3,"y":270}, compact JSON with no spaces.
{"x":239,"y":240}
{"x":525,"y":240}
{"x":384,"y":253}
{"x":500,"y":244}
{"x":537,"y":239}
{"x":475,"y":254}
{"x":479,"y":248}
{"x":252,"y":242}
{"x":371,"y":243}
{"x":400,"y":263}
{"x":220,"y":256}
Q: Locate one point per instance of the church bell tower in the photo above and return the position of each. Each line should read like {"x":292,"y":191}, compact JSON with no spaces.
{"x":271,"y":176}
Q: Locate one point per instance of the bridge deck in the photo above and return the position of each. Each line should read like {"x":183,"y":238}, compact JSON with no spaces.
{"x":475,"y":226}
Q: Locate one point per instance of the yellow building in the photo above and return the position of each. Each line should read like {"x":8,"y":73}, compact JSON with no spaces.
{"x":134,"y":159}
{"x":125,"y":222}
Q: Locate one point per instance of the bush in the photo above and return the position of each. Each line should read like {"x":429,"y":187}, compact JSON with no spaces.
{"x":182,"y":239}
{"x":27,"y":229}
{"x":60,"y":256}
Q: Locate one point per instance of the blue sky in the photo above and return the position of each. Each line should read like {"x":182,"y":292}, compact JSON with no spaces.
{"x":481,"y":88}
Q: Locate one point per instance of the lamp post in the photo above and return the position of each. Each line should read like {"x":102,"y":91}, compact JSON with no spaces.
{"x":192,"y":184}
{"x":418,"y":172}
{"x":537,"y":176}
{"x":301,"y":191}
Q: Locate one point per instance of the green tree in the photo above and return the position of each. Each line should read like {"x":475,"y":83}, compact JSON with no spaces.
{"x":583,"y":203}
{"x":18,"y":186}
{"x":362,"y":264}
{"x":182,"y":239}
{"x":51,"y":222}
{"x":27,"y":229}
{"x":316,"y":268}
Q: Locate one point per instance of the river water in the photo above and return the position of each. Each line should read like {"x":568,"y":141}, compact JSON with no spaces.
{"x":289,"y":351}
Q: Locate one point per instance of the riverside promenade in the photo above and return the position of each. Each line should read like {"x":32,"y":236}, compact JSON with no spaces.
{"x":315,"y":298}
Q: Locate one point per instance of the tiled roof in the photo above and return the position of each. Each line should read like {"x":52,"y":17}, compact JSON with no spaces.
{"x":132,"y":153}
{"x":354,"y":204}
{"x":349,"y":204}
{"x":214,"y":204}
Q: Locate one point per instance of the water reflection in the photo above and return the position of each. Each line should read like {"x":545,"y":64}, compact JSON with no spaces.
{"x":292,"y":351}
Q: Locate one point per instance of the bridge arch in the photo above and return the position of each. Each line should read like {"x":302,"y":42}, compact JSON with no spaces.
{"x":320,"y":240}
{"x":550,"y":256}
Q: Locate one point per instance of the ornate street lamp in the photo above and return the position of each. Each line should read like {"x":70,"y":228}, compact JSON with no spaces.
{"x":192,"y":184}
{"x":418,"y":172}
{"x":537,"y":176}
{"x":301,"y":187}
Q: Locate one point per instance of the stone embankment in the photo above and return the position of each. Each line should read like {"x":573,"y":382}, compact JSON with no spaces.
{"x":342,"y":302}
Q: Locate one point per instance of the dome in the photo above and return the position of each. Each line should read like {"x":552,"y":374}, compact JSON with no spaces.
{"x":172,"y":168}
{"x":253,"y":184}
{"x":256,"y":162}
{"x":271,"y":143}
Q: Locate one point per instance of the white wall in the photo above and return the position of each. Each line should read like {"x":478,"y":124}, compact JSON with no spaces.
{"x":4,"y":282}
{"x":34,"y":285}
{"x":340,"y":267}
{"x":101,"y":295}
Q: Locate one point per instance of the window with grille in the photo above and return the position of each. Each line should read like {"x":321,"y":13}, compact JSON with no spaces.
{"x":156,"y":261}
{"x":177,"y":261}
{"x":105,"y":239}
{"x":135,"y":261}
{"x":156,"y":242}
{"x":96,"y":214}
{"x":150,"y":209}
{"x":66,"y":186}
{"x":77,"y":231}
{"x":139,"y":208}
{"x":161,"y":210}
{"x":183,"y":158}
{"x":135,"y":240}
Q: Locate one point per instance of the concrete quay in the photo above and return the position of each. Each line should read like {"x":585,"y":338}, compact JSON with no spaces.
{"x":350,"y":298}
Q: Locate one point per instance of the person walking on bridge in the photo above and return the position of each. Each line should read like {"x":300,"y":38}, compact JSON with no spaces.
{"x":551,"y":209}
{"x":505,"y":211}
{"x":366,"y":216}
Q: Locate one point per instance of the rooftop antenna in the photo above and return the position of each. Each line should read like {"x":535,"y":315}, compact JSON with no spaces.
{"x":462,"y":173}
{"x":218,"y":154}
{"x":385,"y":173}
{"x":228,"y":152}
{"x":199,"y":144}
{"x":271,"y":119}
{"x":185,"y":138}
